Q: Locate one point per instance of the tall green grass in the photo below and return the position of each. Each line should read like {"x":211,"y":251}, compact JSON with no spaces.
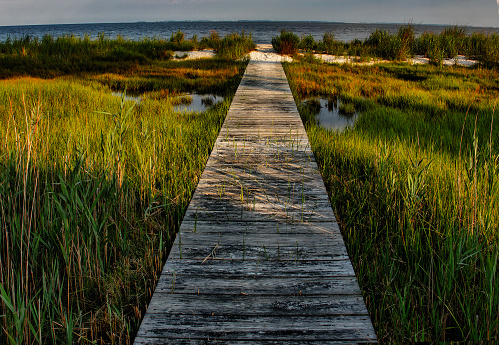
{"x":404,"y":44}
{"x":415,"y":188}
{"x":234,"y":46}
{"x":286,"y":43}
{"x":92,"y":190}
{"x":56,"y":56}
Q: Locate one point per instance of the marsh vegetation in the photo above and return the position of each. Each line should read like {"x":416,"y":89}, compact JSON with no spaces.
{"x":450,"y":43}
{"x":415,"y":187}
{"x":93,"y":186}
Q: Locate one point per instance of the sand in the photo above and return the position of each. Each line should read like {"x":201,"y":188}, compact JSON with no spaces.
{"x":460,"y":60}
{"x":196,"y":54}
{"x":265,"y":52}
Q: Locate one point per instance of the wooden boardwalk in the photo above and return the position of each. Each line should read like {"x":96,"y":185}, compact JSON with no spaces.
{"x":259,"y":257}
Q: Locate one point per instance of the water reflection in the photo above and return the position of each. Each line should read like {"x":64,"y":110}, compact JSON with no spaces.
{"x":196,"y":102}
{"x":188,"y":102}
{"x":332,"y":113}
{"x":129,"y":96}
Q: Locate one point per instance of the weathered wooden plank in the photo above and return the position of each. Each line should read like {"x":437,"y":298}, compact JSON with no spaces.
{"x":235,"y":238}
{"x":271,"y":191}
{"x":251,"y":164}
{"x":227,"y":252}
{"x":259,"y":173}
{"x":257,"y":177}
{"x":256,"y":199}
{"x":242,"y":154}
{"x":352,"y":328}
{"x":243,"y":149}
{"x":281,"y":286}
{"x":280,"y":111}
{"x":258,"y":268}
{"x":158,"y":341}
{"x":253,"y":305}
{"x":260,"y":229}
{"x":284,"y":156}
{"x":260,"y":212}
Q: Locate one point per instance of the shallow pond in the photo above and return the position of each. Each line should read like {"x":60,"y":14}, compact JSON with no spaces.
{"x":332,"y":113}
{"x":197,"y":102}
{"x":129,"y":96}
{"x":188,"y":102}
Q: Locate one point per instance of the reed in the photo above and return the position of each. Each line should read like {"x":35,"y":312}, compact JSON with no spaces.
{"x":450,"y":43}
{"x":92,"y":190}
{"x":286,"y":43}
{"x":56,"y":56}
{"x":415,"y":188}
{"x":234,"y":46}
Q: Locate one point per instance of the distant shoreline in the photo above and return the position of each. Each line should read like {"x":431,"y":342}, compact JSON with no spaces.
{"x":249,"y":21}
{"x":261,"y":31}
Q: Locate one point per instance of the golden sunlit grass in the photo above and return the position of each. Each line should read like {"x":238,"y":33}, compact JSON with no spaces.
{"x":92,"y":190}
{"x":415,"y":187}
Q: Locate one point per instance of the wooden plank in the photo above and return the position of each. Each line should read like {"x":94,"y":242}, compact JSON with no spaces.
{"x":230,"y":212}
{"x":213,"y":206}
{"x":255,"y":328}
{"x":256,"y":305}
{"x":251,"y":252}
{"x":259,"y":173}
{"x":271,"y":191}
{"x":245,"y":229}
{"x":258,"y":268}
{"x":283,"y":286}
{"x":157,"y":341}
{"x":235,"y":238}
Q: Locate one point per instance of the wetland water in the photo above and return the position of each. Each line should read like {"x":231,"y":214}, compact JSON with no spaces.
{"x":189,"y":102}
{"x":198,"y":102}
{"x":331,"y":113}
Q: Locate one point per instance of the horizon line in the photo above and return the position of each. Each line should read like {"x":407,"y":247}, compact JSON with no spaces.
{"x":246,"y":21}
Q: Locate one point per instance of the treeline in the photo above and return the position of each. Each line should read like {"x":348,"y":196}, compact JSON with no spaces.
{"x":449,"y":43}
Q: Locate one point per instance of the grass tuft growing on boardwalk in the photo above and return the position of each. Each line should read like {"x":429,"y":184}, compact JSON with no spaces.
{"x":415,"y":187}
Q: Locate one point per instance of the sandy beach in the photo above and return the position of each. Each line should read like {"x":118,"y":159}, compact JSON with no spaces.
{"x":265,"y":52}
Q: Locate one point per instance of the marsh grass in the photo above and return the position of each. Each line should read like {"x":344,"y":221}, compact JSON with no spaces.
{"x":167,"y":77}
{"x":234,"y":46}
{"x":92,"y":190}
{"x":56,"y":56}
{"x":415,"y":188}
{"x":450,"y":43}
{"x":286,"y":43}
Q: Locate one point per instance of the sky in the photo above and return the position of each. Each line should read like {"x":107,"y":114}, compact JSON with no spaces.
{"x":453,"y":12}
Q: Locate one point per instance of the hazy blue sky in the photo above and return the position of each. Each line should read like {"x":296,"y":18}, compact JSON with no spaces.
{"x":461,"y":12}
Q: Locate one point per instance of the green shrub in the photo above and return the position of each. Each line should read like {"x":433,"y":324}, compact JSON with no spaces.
{"x":358,"y":48}
{"x":234,"y":46}
{"x":406,"y":37}
{"x":287,"y":43}
{"x":308,"y":43}
{"x":453,"y":41}
{"x":178,"y":37}
{"x":392,"y":47}
{"x":484,"y":48}
{"x":331,"y":46}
